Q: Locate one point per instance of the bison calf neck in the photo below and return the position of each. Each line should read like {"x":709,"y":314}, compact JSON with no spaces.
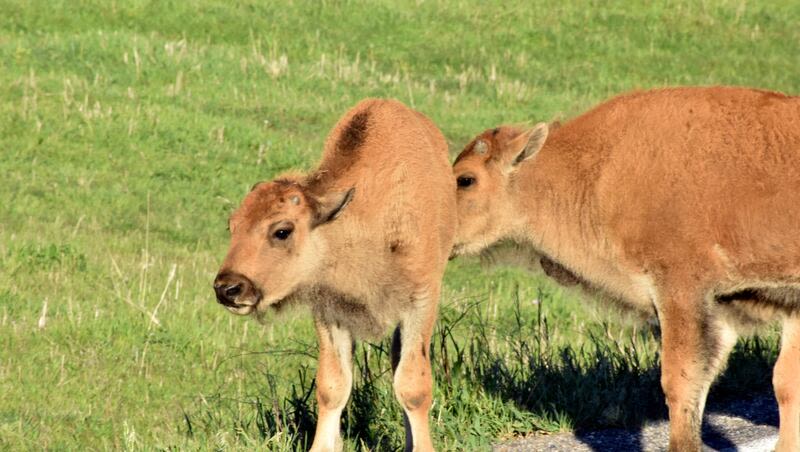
{"x":683,"y":203}
{"x":364,"y":241}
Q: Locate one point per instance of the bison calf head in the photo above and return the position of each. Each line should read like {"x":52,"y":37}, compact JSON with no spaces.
{"x":275,"y":244}
{"x":484,"y":173}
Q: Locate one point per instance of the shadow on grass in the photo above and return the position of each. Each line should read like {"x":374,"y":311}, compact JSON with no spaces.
{"x":611,"y":381}
{"x":742,"y":393}
{"x":604,"y":383}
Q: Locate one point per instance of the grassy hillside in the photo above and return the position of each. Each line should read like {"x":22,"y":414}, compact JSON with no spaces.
{"x":130,"y":129}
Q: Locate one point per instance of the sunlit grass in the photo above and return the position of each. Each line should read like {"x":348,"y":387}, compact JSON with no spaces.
{"x":129,"y":130}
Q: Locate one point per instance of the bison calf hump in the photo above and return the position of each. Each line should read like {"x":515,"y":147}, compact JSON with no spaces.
{"x":354,"y":134}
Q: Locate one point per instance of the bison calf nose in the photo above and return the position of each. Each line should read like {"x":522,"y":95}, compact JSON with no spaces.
{"x":231,"y":291}
{"x":229,"y":286}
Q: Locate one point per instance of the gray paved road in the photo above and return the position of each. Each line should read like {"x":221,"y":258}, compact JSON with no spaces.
{"x":748,"y":425}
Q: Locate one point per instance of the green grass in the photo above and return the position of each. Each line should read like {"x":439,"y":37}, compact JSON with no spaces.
{"x":130,"y":129}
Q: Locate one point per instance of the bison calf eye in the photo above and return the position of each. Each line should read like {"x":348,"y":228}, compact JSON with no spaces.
{"x":282,"y":234}
{"x":465,"y":181}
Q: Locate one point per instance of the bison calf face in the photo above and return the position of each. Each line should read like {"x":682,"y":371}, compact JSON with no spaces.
{"x":486,"y":198}
{"x":275,"y":247}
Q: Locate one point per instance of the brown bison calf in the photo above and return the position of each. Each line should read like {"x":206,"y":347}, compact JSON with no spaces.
{"x":363,"y":241}
{"x":683,"y":203}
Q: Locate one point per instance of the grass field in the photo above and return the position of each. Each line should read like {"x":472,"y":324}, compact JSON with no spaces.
{"x":130,"y":129}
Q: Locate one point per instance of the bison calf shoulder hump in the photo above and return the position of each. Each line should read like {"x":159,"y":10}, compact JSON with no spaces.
{"x":392,"y":246}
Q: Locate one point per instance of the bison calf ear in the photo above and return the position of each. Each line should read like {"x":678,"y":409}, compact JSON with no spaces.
{"x":331,"y":206}
{"x":529,"y":143}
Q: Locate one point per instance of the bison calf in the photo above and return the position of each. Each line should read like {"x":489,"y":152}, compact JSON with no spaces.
{"x":683,"y":203}
{"x":363,"y":241}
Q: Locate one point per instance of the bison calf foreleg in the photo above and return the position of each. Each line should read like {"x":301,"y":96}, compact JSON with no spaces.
{"x":694,"y":349}
{"x":334,"y":380}
{"x":413,"y":383}
{"x":786,"y":380}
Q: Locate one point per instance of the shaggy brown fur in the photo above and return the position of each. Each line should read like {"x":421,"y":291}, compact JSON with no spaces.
{"x":681,"y":202}
{"x":364,"y":241}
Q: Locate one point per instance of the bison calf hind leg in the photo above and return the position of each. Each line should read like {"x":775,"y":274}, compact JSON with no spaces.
{"x":786,"y":381}
{"x":695,"y":347}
